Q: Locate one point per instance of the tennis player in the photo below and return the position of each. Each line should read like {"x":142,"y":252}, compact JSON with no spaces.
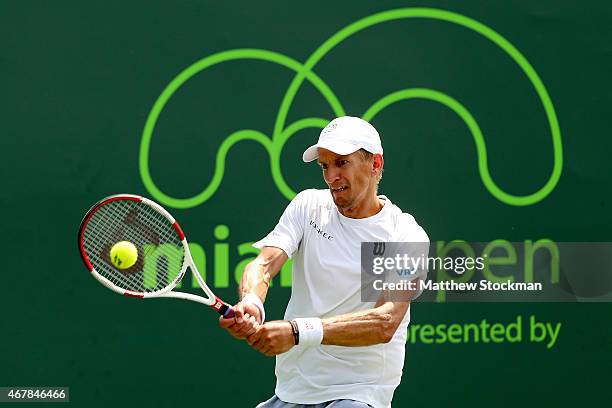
{"x":332,"y":349}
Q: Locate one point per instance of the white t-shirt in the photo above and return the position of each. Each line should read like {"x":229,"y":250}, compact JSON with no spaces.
{"x":326,"y":251}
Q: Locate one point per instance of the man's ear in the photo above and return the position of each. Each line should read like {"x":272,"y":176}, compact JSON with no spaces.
{"x":378,"y":163}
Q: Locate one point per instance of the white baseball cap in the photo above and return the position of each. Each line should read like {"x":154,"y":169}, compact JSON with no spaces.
{"x":345,"y":135}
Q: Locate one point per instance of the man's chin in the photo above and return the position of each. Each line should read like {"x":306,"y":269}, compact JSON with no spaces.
{"x":342,"y":202}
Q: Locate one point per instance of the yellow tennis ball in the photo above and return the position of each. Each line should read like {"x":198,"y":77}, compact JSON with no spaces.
{"x":123,"y":254}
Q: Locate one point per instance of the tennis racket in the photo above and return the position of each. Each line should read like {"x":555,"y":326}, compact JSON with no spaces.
{"x":163,"y":252}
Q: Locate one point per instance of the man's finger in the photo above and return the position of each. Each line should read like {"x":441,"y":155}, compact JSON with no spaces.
{"x":251,"y":327}
{"x":239,"y":313}
{"x":244,"y":328}
{"x":255,"y":341}
{"x":248,"y":327}
{"x":260,"y":344}
{"x":252,"y":310}
{"x":255,"y":336}
{"x":226,"y":323}
{"x":264,"y":349}
{"x":254,"y":324}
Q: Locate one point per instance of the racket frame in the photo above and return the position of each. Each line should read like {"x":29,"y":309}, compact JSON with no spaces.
{"x":166,"y":292}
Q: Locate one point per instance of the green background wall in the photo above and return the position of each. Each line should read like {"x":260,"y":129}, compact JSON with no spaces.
{"x":79,"y":79}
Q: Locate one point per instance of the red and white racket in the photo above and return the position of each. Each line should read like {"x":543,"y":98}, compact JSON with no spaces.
{"x":163,"y":253}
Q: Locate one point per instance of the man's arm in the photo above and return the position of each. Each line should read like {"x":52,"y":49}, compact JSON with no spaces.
{"x":255,"y":282}
{"x":365,"y":328}
{"x":259,"y":272}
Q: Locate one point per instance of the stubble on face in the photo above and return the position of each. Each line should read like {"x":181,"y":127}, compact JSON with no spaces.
{"x":350,"y":180}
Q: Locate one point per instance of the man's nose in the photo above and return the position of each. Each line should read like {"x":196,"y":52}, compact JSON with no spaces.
{"x":332,"y":175}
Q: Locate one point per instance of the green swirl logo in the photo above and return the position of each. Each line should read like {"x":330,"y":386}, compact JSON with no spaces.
{"x":304,"y":72}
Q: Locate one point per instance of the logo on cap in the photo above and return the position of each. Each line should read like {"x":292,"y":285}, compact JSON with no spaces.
{"x":329,"y":128}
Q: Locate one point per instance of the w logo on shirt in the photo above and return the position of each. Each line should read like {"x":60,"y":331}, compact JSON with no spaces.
{"x":379,"y":248}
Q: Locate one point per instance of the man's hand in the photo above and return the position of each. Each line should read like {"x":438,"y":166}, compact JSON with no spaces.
{"x":245,"y":321}
{"x":272,"y":338}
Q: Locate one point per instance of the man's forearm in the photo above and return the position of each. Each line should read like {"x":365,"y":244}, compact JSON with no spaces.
{"x":255,"y":279}
{"x":365,"y":328}
{"x":258,"y":273}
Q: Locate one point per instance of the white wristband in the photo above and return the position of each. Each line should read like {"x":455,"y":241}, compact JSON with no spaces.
{"x":255,"y":301}
{"x":310,"y":331}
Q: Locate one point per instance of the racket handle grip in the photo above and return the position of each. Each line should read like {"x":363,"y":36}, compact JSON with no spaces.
{"x":229,"y":313}
{"x":223,"y":308}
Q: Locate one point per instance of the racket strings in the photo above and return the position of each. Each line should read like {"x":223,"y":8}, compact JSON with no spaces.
{"x":145,"y":242}
{"x":160,"y":250}
{"x":120,"y":279}
{"x":109,"y":230}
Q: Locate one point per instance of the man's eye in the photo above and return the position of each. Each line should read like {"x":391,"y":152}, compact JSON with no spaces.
{"x":342,"y":162}
{"x":323,"y":166}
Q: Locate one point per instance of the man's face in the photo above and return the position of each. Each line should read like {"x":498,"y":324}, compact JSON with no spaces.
{"x":350,"y":177}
